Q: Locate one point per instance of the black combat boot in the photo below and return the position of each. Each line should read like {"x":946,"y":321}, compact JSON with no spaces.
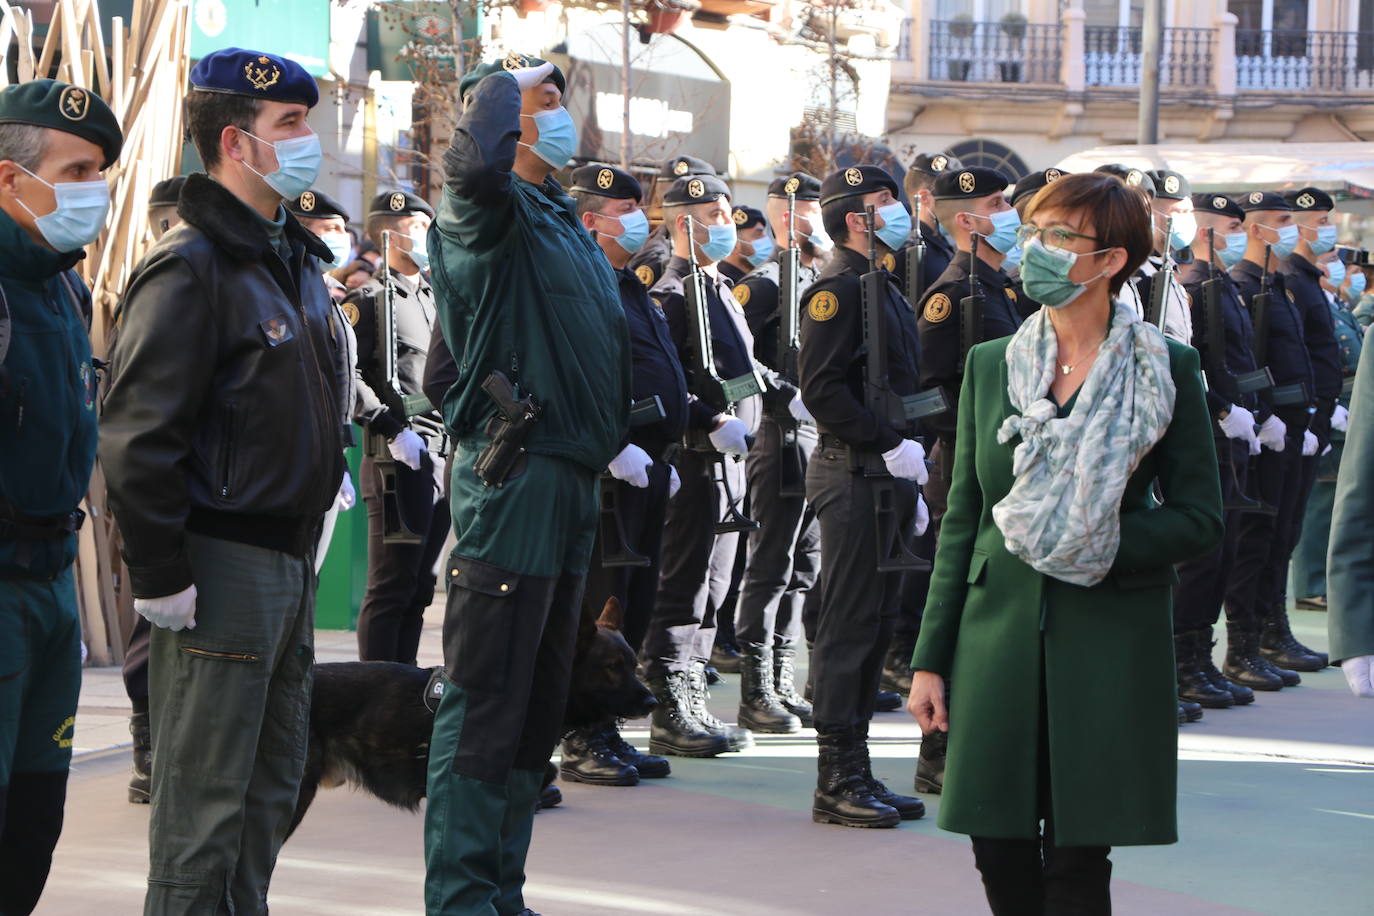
{"x":1193,"y":683}
{"x":785,"y":683}
{"x":760,"y":709}
{"x":141,"y":780}
{"x":674,"y":729}
{"x":1243,"y":696}
{"x":587,"y":758}
{"x":888,"y":701}
{"x":726,"y":658}
{"x":843,"y":795}
{"x":907,"y":807}
{"x":930,"y":762}
{"x":897,"y":665}
{"x":739,"y":738}
{"x":1243,"y":664}
{"x":649,"y":766}
{"x":1189,"y":712}
{"x":550,"y":796}
{"x":1281,"y":647}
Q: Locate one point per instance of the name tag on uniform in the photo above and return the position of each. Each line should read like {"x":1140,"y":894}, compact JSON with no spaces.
{"x":276,"y":331}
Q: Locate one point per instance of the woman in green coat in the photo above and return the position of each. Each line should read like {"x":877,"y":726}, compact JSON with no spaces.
{"x":1050,"y":603}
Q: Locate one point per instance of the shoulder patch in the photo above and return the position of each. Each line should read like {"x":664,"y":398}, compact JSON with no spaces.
{"x":656,"y":300}
{"x":1291,"y":297}
{"x":937,"y":308}
{"x":350,"y":312}
{"x":645,"y":273}
{"x":1011,"y":294}
{"x":742,"y":294}
{"x":888,"y":262}
{"x":823,"y":306}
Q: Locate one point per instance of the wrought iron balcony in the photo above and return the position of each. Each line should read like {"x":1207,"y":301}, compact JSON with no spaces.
{"x":994,"y":52}
{"x":1279,"y":60}
{"x":1112,"y":56}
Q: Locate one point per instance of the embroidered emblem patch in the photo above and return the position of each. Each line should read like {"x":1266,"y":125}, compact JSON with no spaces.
{"x":257,"y":74}
{"x":742,"y":294}
{"x":276,"y":331}
{"x":74,"y":103}
{"x":938,"y":308}
{"x":604,"y":179}
{"x":645,"y":273}
{"x":823,"y":306}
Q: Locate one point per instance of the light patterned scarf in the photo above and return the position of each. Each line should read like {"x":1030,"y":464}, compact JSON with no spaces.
{"x":1063,"y":513}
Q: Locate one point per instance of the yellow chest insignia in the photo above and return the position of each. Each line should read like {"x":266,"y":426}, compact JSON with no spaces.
{"x":938,"y":308}
{"x":742,"y":294}
{"x":645,"y":273}
{"x":823,"y":306}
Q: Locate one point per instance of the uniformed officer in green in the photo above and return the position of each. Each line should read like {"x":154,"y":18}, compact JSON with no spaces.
{"x":55,"y":141}
{"x":522,"y":290}
{"x":648,"y":262}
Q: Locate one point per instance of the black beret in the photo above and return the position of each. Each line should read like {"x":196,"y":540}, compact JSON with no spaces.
{"x":678,"y":166}
{"x":399,"y":203}
{"x":934,"y":164}
{"x":1309,"y":199}
{"x":1219,"y":204}
{"x":314,"y":204}
{"x":1263,"y":200}
{"x":606,"y":181}
{"x":1133,"y":177}
{"x":1348,"y":255}
{"x":969,"y":184}
{"x":1170,"y":185}
{"x":511,"y":61}
{"x":166,"y":192}
{"x":255,"y":74}
{"x":747,"y":217}
{"x":1364,"y":258}
{"x":64,"y":107}
{"x":695,"y":189}
{"x":1034,"y":182}
{"x":856,"y":180}
{"x":799,"y":184}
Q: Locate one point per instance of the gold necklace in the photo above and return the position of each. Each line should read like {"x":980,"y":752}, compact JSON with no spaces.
{"x":1067,"y":368}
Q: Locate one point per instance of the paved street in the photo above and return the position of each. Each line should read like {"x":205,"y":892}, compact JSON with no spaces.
{"x":1276,"y":804}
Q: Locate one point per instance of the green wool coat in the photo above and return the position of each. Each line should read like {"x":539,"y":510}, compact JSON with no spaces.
{"x":1349,"y":567}
{"x":1108,"y":663}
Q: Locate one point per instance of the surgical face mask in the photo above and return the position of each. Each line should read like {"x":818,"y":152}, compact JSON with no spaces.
{"x":720,"y":241}
{"x":1335,"y":273}
{"x":635,"y":230}
{"x":339,"y":246}
{"x":1185,"y":230}
{"x":298,"y":164}
{"x":1325,"y":240}
{"x":763,"y":249}
{"x":1288,"y":240}
{"x":1005,"y":224}
{"x":1045,"y":274}
{"x":945,"y":232}
{"x":1357,"y":282}
{"x":557,"y":136}
{"x":419,"y":250}
{"x":818,"y":237}
{"x":896,"y":225}
{"x":79,"y":216}
{"x":1013,"y":258}
{"x":1236,"y":243}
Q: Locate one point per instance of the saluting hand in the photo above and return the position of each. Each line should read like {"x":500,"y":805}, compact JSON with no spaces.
{"x":927,"y":701}
{"x":529,"y":77}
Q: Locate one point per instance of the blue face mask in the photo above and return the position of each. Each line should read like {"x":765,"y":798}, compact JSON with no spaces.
{"x":1287,"y":243}
{"x":557,"y":136}
{"x":419,"y":248}
{"x":1045,"y":274}
{"x":635,"y":230}
{"x":1013,"y":257}
{"x":1335,"y":273}
{"x":896,"y":225}
{"x":818,"y":237}
{"x":1325,"y":240}
{"x":339,"y":246}
{"x":763,"y":249}
{"x":1185,"y":230}
{"x":1231,"y":255}
{"x":1357,"y":282}
{"x":720,"y":241}
{"x":1004,"y":228}
{"x":298,"y":164}
{"x":79,"y":216}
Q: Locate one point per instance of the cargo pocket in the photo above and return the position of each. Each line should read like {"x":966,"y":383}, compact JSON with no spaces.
{"x":478,"y":623}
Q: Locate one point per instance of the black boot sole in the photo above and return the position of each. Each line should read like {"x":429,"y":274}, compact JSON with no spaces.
{"x":826,"y":817}
{"x":1291,"y":663}
{"x":660,"y":749}
{"x":627,"y":779}
{"x":1206,"y":702}
{"x":747,"y":720}
{"x":550,"y":797}
{"x":654,"y":772}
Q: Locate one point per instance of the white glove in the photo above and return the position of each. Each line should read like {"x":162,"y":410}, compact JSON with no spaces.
{"x":799,"y":412}
{"x":529,"y":77}
{"x":174,"y":612}
{"x":1255,"y":447}
{"x":728,"y":437}
{"x":1238,"y":423}
{"x":440,"y":467}
{"x":1340,"y":419}
{"x":922,"y":515}
{"x":1359,"y":674}
{"x":632,"y":466}
{"x":1326,"y":451}
{"x":1272,"y":433}
{"x":347,"y":497}
{"x":907,"y":461}
{"x":674,"y":482}
{"x":1309,"y":443}
{"x":407,"y":448}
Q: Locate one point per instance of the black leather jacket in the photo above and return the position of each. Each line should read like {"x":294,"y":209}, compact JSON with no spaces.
{"x":222,"y":415}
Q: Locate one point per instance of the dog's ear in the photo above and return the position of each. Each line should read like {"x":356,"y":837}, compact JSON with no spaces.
{"x":586,"y":625}
{"x":612,"y":615}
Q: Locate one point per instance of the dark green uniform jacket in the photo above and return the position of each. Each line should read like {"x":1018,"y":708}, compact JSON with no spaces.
{"x":997,"y":628}
{"x":1350,"y":562}
{"x":47,"y":399}
{"x":522,"y":288}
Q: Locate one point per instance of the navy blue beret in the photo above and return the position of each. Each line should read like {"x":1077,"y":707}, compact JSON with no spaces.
{"x":256,"y":75}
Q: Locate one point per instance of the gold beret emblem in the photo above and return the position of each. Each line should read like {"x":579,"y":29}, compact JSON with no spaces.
{"x":791,"y":186}
{"x":397,"y":202}
{"x":854,"y":177}
{"x":257,"y":75}
{"x":1306,"y":200}
{"x":823,"y":306}
{"x":1256,"y":196}
{"x":74,"y":103}
{"x":1134,"y":177}
{"x":740,"y":216}
{"x":696,"y":188}
{"x":308,"y":201}
{"x":939,"y":163}
{"x":681,"y":168}
{"x":1219,"y":203}
{"x":1053,"y":175}
{"x":967,"y":182}
{"x":1171,"y":184}
{"x":604,"y":179}
{"x":937,"y":308}
{"x":514,"y":61}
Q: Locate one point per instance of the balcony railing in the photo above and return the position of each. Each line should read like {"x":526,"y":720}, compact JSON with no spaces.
{"x":1112,"y":56}
{"x":994,"y":52}
{"x":1294,"y":60}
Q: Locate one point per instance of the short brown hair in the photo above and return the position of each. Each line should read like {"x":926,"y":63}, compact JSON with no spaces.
{"x":208,"y":113}
{"x":1117,"y":214}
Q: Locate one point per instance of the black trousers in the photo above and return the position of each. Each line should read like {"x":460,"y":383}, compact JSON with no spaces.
{"x":400,"y":580}
{"x":1201,"y":589}
{"x":858,"y":604}
{"x":642,"y":510}
{"x":916,"y":585}
{"x":1272,"y":600}
{"x":697,"y":567}
{"x":784,"y":553}
{"x":1278,"y":481}
{"x":136,"y":660}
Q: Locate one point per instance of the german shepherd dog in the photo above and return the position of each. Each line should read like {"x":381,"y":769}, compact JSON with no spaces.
{"x":370,"y":722}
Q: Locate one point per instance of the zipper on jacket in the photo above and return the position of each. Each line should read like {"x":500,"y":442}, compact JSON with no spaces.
{"x":19,"y":411}
{"x":227,"y":452}
{"x":231,"y":656}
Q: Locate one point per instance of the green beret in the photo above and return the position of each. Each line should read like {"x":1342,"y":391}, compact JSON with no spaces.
{"x":64,"y":107}
{"x":511,"y":61}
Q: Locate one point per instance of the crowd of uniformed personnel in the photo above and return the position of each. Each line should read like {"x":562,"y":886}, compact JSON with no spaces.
{"x":739,"y":420}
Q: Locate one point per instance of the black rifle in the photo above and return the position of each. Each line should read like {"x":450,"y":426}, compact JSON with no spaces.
{"x":708,"y":386}
{"x":1156,"y":310}
{"x":509,"y":430}
{"x":916,"y":260}
{"x":894,"y":554}
{"x":1259,"y":311}
{"x":971,"y":310}
{"x":615,"y":545}
{"x":791,"y":479}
